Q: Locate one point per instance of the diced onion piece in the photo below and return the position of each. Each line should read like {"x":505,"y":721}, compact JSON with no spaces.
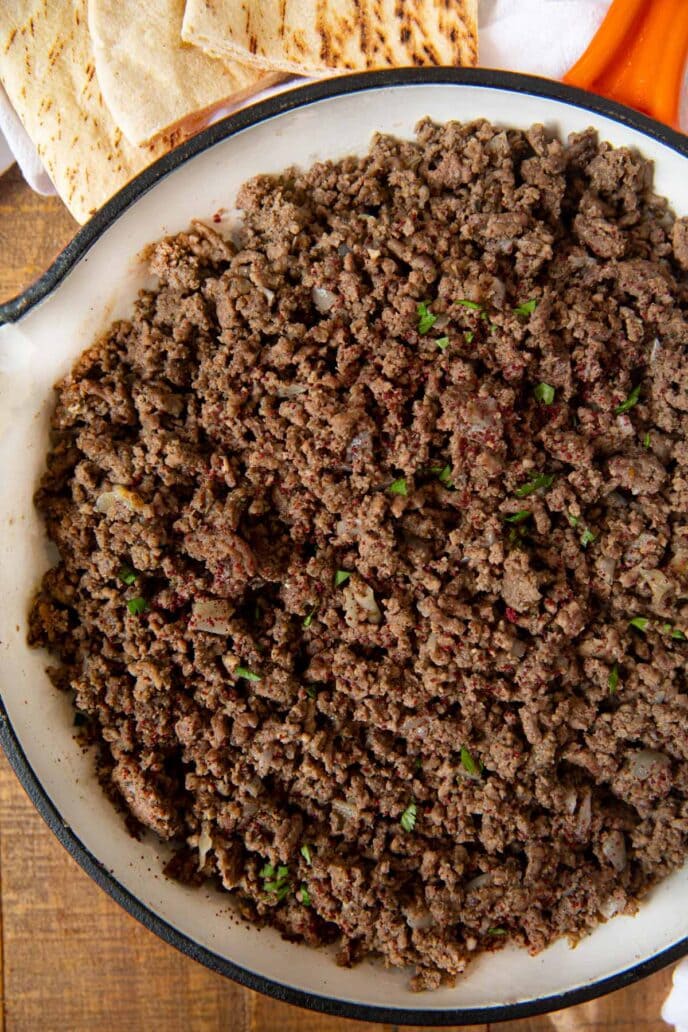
{"x":107,"y":500}
{"x":360,"y":442}
{"x":211,"y":615}
{"x":613,"y":904}
{"x":478,"y":882}
{"x":571,"y":801}
{"x":359,"y":597}
{"x":344,"y":809}
{"x":584,"y":816}
{"x":419,"y":918}
{"x":323,"y":299}
{"x":291,"y":390}
{"x":647,"y":762}
{"x":205,"y":844}
{"x":614,"y":849}
{"x":658,"y":583}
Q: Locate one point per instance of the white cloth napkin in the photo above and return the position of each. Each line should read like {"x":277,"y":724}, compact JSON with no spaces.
{"x":544,"y":37}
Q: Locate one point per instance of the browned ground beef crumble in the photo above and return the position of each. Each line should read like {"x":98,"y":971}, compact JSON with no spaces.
{"x":465,"y":742}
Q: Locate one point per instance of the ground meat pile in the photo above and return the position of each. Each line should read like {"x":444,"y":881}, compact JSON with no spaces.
{"x":373,"y":535}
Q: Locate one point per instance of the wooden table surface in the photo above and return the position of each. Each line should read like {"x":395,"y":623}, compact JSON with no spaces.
{"x":72,"y":960}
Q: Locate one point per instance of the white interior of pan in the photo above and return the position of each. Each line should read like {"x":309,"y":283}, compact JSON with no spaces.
{"x":34,"y":353}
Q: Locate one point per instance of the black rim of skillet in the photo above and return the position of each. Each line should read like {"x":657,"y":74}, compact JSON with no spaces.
{"x":82,"y":242}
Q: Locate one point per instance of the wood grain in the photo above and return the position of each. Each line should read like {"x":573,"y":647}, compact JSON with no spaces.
{"x":72,"y":960}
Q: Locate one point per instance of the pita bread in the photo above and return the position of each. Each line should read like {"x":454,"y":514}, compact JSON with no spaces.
{"x":48,"y":70}
{"x":150,"y":79}
{"x":314,"y":37}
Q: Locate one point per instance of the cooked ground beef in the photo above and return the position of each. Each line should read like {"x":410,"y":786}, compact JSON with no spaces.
{"x":373,"y":534}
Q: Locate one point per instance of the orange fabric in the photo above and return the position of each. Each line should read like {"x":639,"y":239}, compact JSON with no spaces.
{"x":638,"y":56}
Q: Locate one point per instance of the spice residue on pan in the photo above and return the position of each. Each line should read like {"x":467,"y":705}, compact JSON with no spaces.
{"x":374,"y":546}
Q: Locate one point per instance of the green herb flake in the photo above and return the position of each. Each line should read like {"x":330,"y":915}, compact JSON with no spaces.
{"x":303,"y":896}
{"x":674,"y":632}
{"x":469,"y":336}
{"x":518,"y":517}
{"x":613,"y":680}
{"x":587,"y":538}
{"x":646,"y":440}
{"x":426,"y":319}
{"x":136,"y":606}
{"x":442,"y":343}
{"x":527,"y":308}
{"x":632,"y":399}
{"x":497,"y":931}
{"x":418,"y":764}
{"x":544,"y":393}
{"x":308,"y":620}
{"x":127,"y":575}
{"x":398,"y":487}
{"x":248,"y":675}
{"x":408,"y":817}
{"x":306,"y":854}
{"x":639,"y":622}
{"x":471,"y":766}
{"x":276,"y":880}
{"x":473,"y":305}
{"x":341,"y":577}
{"x":542,"y":480}
{"x":310,"y":691}
{"x":573,"y":520}
{"x":444,"y":474}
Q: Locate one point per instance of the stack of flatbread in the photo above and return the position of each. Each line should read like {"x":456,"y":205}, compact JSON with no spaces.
{"x":104,"y":87}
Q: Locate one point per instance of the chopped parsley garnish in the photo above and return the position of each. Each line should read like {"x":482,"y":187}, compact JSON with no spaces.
{"x":542,"y":480}
{"x":303,"y":896}
{"x":469,"y":304}
{"x":632,"y":399}
{"x":127,"y":575}
{"x":544,"y":392}
{"x":398,"y":487}
{"x":587,"y":538}
{"x":248,"y":675}
{"x":136,"y":606}
{"x":341,"y":577}
{"x":518,"y":517}
{"x":469,"y":336}
{"x":675,"y":633}
{"x":308,"y":620}
{"x":276,"y":880}
{"x":442,"y":343}
{"x":527,"y":308}
{"x":408,"y":817}
{"x":646,"y":440}
{"x":306,"y":854}
{"x":497,"y":931}
{"x":310,"y":691}
{"x":443,"y":474}
{"x":639,"y":622}
{"x":418,"y":764}
{"x":471,"y":766}
{"x":573,"y":520}
{"x":613,"y":681}
{"x":426,"y":319}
